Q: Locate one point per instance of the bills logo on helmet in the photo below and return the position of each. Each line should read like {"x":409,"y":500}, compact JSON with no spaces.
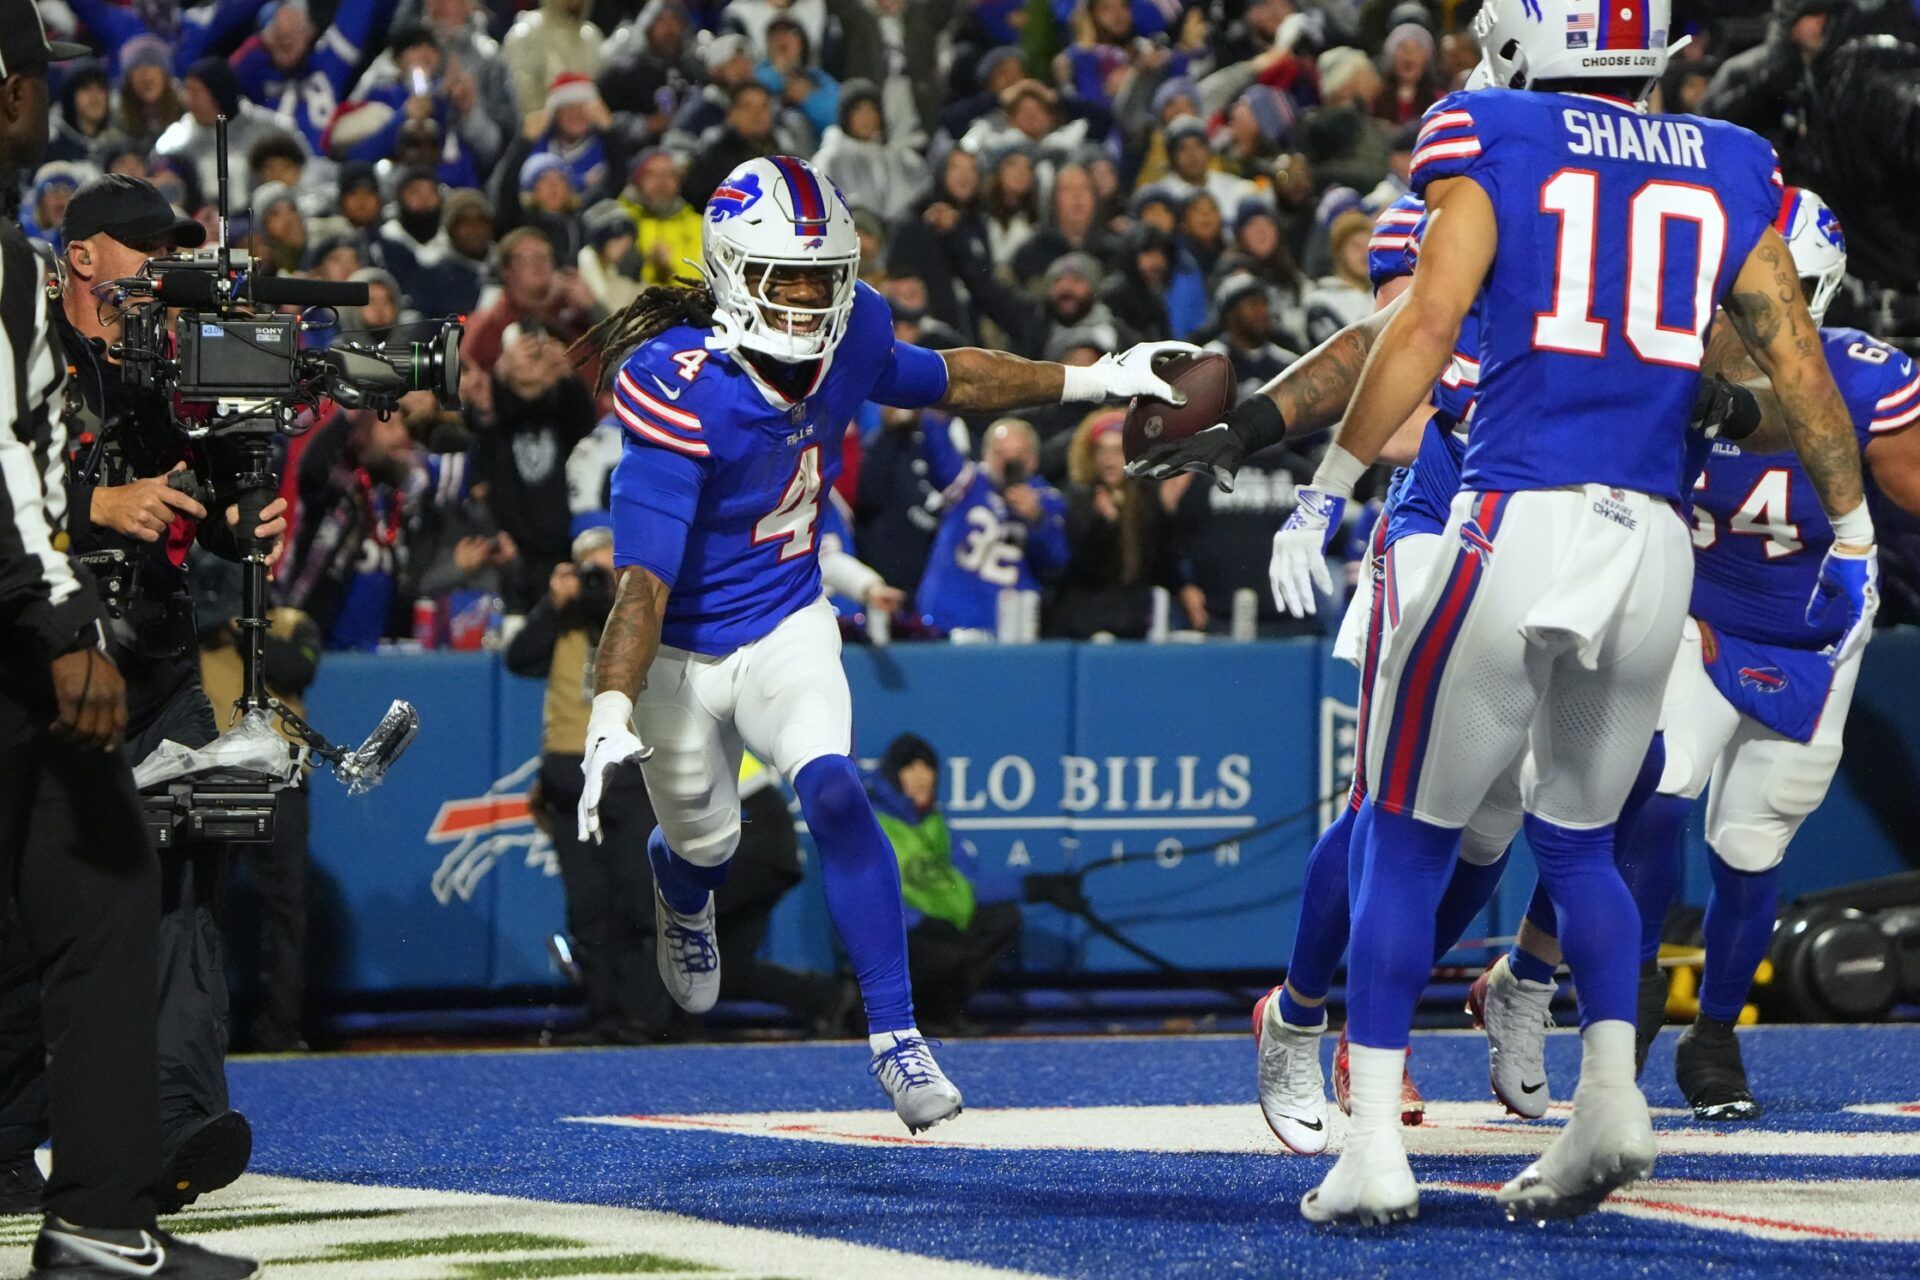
{"x":730,"y":200}
{"x":1828,"y":225}
{"x":1765,"y":679}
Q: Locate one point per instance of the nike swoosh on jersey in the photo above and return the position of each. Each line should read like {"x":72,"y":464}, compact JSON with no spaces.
{"x":122,"y":1259}
{"x":671,"y":393}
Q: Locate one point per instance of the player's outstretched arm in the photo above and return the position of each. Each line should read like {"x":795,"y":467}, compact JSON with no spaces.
{"x":1770,"y":314}
{"x":982,"y":381}
{"x":1768,"y":309}
{"x":628,"y":644}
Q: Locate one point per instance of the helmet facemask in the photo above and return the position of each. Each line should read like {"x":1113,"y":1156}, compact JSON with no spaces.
{"x":745,"y":289}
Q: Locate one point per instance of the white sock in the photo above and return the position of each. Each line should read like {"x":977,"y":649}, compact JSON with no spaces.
{"x":1606,"y":1053}
{"x":1376,"y":1077}
{"x":881,"y":1041}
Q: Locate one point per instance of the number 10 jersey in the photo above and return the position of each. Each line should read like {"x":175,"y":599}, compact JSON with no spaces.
{"x":1619,"y":233}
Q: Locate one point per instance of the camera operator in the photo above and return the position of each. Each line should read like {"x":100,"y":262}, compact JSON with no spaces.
{"x":80,"y":869}
{"x":136,"y":493}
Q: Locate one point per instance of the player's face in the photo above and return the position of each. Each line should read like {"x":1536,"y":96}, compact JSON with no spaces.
{"x":792,"y":298}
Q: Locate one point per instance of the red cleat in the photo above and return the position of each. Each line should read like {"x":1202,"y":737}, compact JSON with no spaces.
{"x":1413,"y":1107}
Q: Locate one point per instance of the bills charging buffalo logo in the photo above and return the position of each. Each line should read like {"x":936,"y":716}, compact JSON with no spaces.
{"x":731,"y":199}
{"x":482,"y":830}
{"x":1829,"y":226}
{"x":1473,"y":539}
{"x":1765,"y":679}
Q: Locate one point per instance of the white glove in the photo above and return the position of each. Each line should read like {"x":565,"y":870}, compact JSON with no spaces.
{"x":1299,"y":562}
{"x":611,"y":741}
{"x":1119,"y":377}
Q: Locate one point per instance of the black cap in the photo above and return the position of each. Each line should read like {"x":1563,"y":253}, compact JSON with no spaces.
{"x":129,"y":209}
{"x":23,"y":40}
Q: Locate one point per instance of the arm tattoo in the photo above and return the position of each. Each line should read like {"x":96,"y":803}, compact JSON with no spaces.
{"x":632,"y":634}
{"x":1780,"y":335}
{"x":982,"y":381}
{"x":1314,"y":392}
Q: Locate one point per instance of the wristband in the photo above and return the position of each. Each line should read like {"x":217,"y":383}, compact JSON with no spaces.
{"x":1338,"y":472}
{"x":1257,"y":422}
{"x":1078,"y":382}
{"x":611,"y":710}
{"x":1855,"y":527}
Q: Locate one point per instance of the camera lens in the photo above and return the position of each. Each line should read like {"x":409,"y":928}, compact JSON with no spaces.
{"x":433,"y":366}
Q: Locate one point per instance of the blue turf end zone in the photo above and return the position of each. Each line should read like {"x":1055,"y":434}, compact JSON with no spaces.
{"x":498,"y":1122}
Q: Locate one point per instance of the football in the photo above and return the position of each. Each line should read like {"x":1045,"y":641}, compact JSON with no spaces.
{"x":1206,"y":379}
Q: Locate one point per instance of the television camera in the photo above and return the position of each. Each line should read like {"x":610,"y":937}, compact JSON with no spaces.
{"x":200,"y":328}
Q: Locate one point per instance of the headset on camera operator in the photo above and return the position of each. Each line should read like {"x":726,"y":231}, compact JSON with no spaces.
{"x":138,"y":492}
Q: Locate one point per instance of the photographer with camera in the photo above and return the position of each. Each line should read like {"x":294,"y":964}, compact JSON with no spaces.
{"x":137,"y":497}
{"x":78,"y":864}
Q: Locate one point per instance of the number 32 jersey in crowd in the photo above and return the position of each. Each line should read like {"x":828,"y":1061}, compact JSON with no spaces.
{"x":719,"y":488}
{"x":1619,"y":233}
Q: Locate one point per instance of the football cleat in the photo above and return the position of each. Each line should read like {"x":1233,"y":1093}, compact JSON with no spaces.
{"x":1413,"y":1107}
{"x":687,"y":951}
{"x":1650,"y":1015}
{"x":1370,"y":1185}
{"x":1711,"y":1075}
{"x":1607,"y":1145}
{"x":1516,"y":1015}
{"x":64,"y":1251}
{"x":21,"y":1186}
{"x":922,"y":1095}
{"x":210,"y":1156}
{"x":1293,"y":1095}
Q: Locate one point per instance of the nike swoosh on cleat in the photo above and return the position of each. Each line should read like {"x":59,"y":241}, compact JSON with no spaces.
{"x":1314,"y":1126}
{"x":671,"y":393}
{"x":1533,"y":1088}
{"x":119,"y":1258}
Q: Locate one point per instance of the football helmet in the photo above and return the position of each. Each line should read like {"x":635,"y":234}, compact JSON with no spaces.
{"x":771,"y":215}
{"x":1526,"y":41}
{"x":1819,"y":250}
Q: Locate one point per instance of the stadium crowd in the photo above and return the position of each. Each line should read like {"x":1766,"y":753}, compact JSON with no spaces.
{"x":1058,"y":178}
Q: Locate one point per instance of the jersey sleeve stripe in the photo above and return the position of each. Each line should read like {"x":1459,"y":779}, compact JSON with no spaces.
{"x":654,"y":435}
{"x":1451,"y":149}
{"x":658,"y":408}
{"x":1436,"y":124}
{"x":1388,"y":242}
{"x":1399,"y":218}
{"x":1893,"y":422}
{"x":1901,"y":396}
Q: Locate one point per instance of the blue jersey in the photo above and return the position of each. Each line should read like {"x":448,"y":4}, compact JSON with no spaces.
{"x":719,"y":488}
{"x":1418,"y":502}
{"x":1619,"y":234}
{"x":1759,"y":531}
{"x":311,"y":94}
{"x":981,"y":547}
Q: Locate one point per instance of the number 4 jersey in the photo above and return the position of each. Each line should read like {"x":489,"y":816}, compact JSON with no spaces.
{"x":720,"y":482}
{"x":1619,"y":233}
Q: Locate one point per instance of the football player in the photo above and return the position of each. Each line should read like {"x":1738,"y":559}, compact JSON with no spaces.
{"x":1755,"y":702}
{"x":1559,"y":616}
{"x":733,"y":394}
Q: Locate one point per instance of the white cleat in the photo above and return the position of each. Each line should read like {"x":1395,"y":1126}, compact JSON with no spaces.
{"x":687,"y":950}
{"x":1371,"y":1185}
{"x":1516,"y":1015}
{"x":1608,"y":1144}
{"x":922,"y":1095}
{"x":1293,"y":1092}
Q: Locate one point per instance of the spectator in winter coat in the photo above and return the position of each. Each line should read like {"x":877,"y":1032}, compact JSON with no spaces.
{"x":746,"y":135}
{"x":666,"y":227}
{"x":874,"y":173}
{"x":149,"y":97}
{"x":411,"y":81}
{"x":85,"y":112}
{"x":209,"y":92}
{"x":461,"y":28}
{"x":533,"y":293}
{"x":648,"y":67}
{"x":946,"y":239}
{"x":1406,"y":61}
{"x":791,"y":72}
{"x":1191,"y":155}
{"x":1120,"y":537}
{"x":1073,"y":226}
{"x":549,"y":40}
{"x":954,"y":942}
{"x":1340,"y":299}
{"x":550,"y":201}
{"x":607,"y":261}
{"x":289,"y":72}
{"x":1246,"y":333}
{"x":575,"y":128}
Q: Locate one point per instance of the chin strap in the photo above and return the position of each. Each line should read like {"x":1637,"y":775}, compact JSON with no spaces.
{"x":727,"y":333}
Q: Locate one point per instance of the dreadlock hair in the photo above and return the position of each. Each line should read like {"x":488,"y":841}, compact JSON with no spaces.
{"x":659,"y":307}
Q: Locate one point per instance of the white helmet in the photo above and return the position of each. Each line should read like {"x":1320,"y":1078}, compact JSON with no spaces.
{"x":1526,"y":41}
{"x":1481,"y":77}
{"x":1819,"y":250}
{"x":770,"y":214}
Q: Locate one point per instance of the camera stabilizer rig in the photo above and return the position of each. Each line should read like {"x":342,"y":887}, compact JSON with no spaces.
{"x":189,"y":331}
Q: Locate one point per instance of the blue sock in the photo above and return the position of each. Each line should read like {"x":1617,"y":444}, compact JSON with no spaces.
{"x":1404,"y":864}
{"x":862,"y":881}
{"x":1650,"y":862}
{"x":1295,"y":1014}
{"x":1739,"y":927}
{"x":1521,"y":962}
{"x":1599,"y":925}
{"x":685,"y":885}
{"x":1468,"y":892}
{"x":1320,"y":937}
